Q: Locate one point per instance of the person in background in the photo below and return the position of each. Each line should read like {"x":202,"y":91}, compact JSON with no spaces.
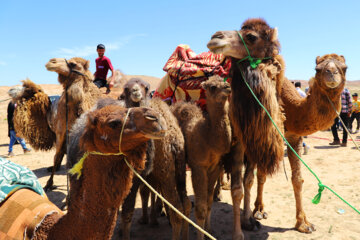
{"x":346,"y":106}
{"x":103,"y":64}
{"x":13,"y":92}
{"x":355,"y":113}
{"x":302,"y":94}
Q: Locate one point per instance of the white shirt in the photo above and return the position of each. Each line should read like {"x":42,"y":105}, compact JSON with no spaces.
{"x":301,"y":92}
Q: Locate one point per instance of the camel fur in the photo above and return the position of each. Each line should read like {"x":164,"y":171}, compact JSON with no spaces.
{"x":105,"y":180}
{"x":258,"y":142}
{"x":207,"y":138}
{"x":168,"y":174}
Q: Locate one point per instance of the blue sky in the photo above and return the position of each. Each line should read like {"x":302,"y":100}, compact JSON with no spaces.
{"x":141,"y":35}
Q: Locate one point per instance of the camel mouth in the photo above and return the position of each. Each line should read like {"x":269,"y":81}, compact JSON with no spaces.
{"x":154,"y":135}
{"x":217,"y":45}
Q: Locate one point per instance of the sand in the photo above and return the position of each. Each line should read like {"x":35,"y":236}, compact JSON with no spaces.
{"x":337,"y":167}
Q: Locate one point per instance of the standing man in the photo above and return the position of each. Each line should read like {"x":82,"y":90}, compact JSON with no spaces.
{"x":103,"y":64}
{"x":346,"y":106}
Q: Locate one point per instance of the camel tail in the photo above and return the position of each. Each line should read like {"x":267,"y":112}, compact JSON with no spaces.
{"x":30,"y":117}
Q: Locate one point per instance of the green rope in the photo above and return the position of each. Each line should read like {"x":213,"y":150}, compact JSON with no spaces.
{"x":317,"y":198}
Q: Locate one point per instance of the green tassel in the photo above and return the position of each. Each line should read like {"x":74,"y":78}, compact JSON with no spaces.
{"x":317,"y":198}
{"x":254,"y":63}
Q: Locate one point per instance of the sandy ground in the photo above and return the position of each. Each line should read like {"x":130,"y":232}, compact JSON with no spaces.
{"x":337,"y":167}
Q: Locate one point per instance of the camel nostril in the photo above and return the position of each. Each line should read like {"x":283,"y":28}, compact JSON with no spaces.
{"x":151,"y":118}
{"x":217,"y":35}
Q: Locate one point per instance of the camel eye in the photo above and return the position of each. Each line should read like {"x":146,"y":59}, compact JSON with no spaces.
{"x":251,"y":38}
{"x":72,"y":65}
{"x":212,"y":88}
{"x":115,"y":124}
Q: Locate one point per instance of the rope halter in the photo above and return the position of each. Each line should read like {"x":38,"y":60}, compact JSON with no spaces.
{"x":77,"y":168}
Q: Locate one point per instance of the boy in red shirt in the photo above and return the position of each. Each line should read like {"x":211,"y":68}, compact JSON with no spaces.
{"x":103,"y":64}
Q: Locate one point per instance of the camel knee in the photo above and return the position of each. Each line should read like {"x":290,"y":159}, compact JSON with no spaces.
{"x":201,"y":212}
{"x":237,"y":194}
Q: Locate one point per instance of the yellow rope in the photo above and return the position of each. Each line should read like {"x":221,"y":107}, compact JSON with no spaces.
{"x":78,"y":167}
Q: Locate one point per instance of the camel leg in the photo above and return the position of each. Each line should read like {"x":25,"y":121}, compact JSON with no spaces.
{"x":302,"y":225}
{"x":259,"y":212}
{"x":144,"y":193}
{"x":213,"y":177}
{"x":128,"y":209}
{"x":248,"y":222}
{"x":237,"y":188}
{"x":217,"y":190}
{"x":60,"y":152}
{"x":200,"y":182}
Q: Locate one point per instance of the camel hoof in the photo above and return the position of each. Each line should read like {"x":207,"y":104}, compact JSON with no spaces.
{"x":260,"y":215}
{"x":226,"y":186}
{"x":217,"y":198}
{"x":49,"y":187}
{"x":306,"y":228}
{"x":251,"y":224}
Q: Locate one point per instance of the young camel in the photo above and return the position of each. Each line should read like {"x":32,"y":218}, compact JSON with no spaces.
{"x":168,"y":173}
{"x":315,"y":111}
{"x":96,"y":193}
{"x":207,"y":138}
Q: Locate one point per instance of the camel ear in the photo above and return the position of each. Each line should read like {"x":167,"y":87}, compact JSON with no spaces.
{"x":343,"y":58}
{"x":92,"y":119}
{"x":87,"y":65}
{"x":274,"y":35}
{"x":122,"y":96}
{"x":317,"y":61}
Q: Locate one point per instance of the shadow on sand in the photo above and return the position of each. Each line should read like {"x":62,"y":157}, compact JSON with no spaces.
{"x":221,"y":223}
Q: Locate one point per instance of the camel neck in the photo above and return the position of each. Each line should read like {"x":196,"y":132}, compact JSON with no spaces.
{"x":95,"y":199}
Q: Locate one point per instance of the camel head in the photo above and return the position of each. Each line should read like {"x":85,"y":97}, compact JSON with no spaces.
{"x":216,"y":89}
{"x":104,"y":127}
{"x":330,"y":70}
{"x":135,"y":91}
{"x":260,"y":39}
{"x":29,"y":89}
{"x":71,"y":68}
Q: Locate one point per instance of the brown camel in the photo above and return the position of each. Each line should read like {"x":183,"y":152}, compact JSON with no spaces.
{"x":258,"y":142}
{"x":52,"y":120}
{"x":90,"y":216}
{"x":207,"y":138}
{"x":303,"y":116}
{"x":168,"y":173}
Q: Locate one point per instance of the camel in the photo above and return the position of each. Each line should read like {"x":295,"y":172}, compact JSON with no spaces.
{"x":258,"y":142}
{"x":207,"y":138}
{"x":90,"y":216}
{"x":315,"y":111}
{"x":53,"y":120}
{"x":168,"y":173}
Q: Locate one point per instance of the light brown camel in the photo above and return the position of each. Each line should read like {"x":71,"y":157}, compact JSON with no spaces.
{"x":105,"y":180}
{"x":303,"y":116}
{"x":258,"y":143}
{"x":207,"y":138}
{"x":168,"y":173}
{"x":46,"y":123}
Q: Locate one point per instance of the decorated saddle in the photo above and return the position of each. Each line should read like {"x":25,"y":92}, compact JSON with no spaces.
{"x":186,"y":71}
{"x":23,"y":202}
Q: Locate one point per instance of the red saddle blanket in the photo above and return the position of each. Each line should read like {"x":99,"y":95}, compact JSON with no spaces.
{"x":185,"y":72}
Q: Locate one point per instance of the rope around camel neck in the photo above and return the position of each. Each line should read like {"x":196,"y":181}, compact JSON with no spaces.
{"x":78,"y":167}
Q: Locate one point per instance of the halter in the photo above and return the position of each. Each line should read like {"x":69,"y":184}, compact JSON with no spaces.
{"x":76,"y":169}
{"x":72,"y":70}
{"x":254,"y":62}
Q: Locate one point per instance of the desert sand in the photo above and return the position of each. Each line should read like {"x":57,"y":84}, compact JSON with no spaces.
{"x":337,"y":167}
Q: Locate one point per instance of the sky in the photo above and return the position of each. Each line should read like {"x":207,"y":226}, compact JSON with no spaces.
{"x":140,"y":36}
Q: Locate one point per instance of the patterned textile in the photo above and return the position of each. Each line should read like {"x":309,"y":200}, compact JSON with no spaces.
{"x":185,"y":72}
{"x":22,"y":212}
{"x":14,"y":177}
{"x":346,"y":103}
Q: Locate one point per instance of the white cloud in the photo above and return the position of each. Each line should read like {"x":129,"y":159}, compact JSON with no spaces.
{"x":2,"y":63}
{"x":91,"y":50}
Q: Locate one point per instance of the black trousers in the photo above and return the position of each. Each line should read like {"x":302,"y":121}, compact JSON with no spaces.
{"x":101,"y":83}
{"x":353,"y":117}
{"x":345,"y":118}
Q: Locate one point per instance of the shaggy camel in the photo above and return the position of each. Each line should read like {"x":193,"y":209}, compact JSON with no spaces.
{"x":90,"y":216}
{"x":207,"y":138}
{"x":168,"y":174}
{"x":258,"y":142}
{"x":35,"y":108}
{"x":315,"y":111}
